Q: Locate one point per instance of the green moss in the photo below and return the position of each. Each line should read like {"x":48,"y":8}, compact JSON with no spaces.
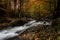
{"x":58,"y":23}
{"x":58,"y":38}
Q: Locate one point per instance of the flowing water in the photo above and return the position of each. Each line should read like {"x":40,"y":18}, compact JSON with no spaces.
{"x":11,"y":32}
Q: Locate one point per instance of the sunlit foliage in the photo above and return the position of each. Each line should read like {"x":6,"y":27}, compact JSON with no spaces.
{"x":42,"y":7}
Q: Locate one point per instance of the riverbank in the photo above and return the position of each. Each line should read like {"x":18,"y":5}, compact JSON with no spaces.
{"x":8,"y":21}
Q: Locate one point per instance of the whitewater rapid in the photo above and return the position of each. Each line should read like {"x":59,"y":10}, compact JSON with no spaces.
{"x":8,"y":33}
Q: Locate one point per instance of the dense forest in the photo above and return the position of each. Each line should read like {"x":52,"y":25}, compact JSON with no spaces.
{"x":44,"y":8}
{"x":36,"y":9}
{"x":15,"y":12}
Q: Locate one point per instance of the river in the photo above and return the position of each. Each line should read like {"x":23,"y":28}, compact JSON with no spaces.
{"x":11,"y":32}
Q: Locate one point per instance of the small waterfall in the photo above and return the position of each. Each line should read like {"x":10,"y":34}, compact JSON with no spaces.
{"x":7,"y":33}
